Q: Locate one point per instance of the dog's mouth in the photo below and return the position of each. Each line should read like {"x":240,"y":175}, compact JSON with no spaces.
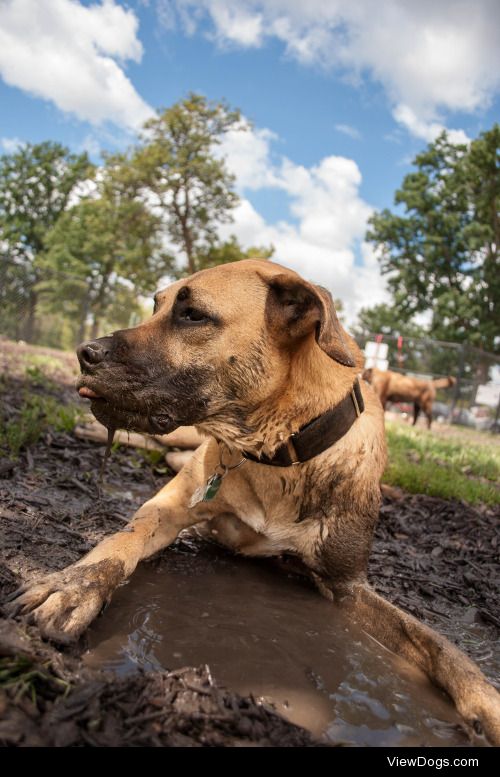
{"x":117,"y":415}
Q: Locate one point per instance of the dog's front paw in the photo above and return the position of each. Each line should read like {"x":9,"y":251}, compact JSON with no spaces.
{"x":64,"y":603}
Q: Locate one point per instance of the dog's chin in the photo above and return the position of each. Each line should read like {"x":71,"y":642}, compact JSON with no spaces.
{"x":118,"y":418}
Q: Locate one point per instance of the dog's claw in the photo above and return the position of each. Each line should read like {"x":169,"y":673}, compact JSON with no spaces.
{"x":26,"y":598}
{"x":64,"y":603}
{"x":15,"y":593}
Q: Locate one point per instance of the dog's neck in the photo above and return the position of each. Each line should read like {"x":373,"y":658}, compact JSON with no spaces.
{"x":314,"y":384}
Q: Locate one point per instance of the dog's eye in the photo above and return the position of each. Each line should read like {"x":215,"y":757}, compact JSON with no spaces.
{"x":193,"y":316}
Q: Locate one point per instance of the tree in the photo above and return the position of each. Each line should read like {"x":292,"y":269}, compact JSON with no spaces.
{"x":481,"y":173}
{"x":36,"y":184}
{"x":177,"y":163}
{"x":101,"y":254}
{"x":339,"y":309}
{"x":386,"y":319}
{"x":222,"y":253}
{"x":441,"y":255}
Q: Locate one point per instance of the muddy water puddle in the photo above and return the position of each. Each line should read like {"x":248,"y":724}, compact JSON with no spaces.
{"x":265,"y":632}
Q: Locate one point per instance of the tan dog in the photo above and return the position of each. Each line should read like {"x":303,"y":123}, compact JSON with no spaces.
{"x":393,"y":387}
{"x":251,"y":354}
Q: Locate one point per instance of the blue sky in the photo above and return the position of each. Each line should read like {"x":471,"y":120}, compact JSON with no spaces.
{"x":340,"y":99}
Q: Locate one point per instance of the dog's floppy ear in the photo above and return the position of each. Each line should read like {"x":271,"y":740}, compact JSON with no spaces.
{"x":300,"y":308}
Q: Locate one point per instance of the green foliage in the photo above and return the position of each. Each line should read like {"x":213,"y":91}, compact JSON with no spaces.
{"x":439,"y":250}
{"x":191,"y":184}
{"x":100,"y":255}
{"x":20,"y":677}
{"x":422,"y":463}
{"x":75,"y":260}
{"x":222,"y":253}
{"x":43,"y":364}
{"x":37,"y":415}
{"x":37,"y":376}
{"x":55,"y":328}
{"x":386,"y":319}
{"x":36,"y":183}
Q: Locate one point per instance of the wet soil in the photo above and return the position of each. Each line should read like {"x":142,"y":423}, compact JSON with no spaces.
{"x":49,"y":700}
{"x":265,"y":631}
{"x":435,"y":558}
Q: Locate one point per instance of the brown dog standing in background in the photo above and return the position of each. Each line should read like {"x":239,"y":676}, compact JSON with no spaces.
{"x":256,"y":359}
{"x":393,"y":387}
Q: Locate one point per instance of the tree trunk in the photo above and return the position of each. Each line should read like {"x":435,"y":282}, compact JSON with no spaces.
{"x":187,"y":239}
{"x":186,"y":232}
{"x":98,"y":305}
{"x":80,"y":335}
{"x":94,"y":329}
{"x":189,"y":251}
{"x":29,"y":327}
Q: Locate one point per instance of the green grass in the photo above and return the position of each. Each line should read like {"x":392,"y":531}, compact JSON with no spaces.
{"x":19,"y":676}
{"x":36,"y":415}
{"x":44,"y":363}
{"x":421,"y":462}
{"x":38,"y":363}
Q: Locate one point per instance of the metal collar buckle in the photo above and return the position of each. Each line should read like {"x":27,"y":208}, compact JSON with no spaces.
{"x":294,"y":459}
{"x":355,"y":403}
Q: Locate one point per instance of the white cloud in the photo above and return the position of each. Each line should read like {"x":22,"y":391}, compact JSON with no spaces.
{"x":248,"y":153}
{"x":73,"y":55}
{"x":10,"y":145}
{"x":347,"y":129}
{"x":427,"y":130}
{"x":330,"y":218}
{"x":235,"y":24}
{"x":165,"y":13}
{"x":429,"y":56}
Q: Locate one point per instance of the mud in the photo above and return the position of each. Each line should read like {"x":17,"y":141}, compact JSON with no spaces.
{"x":48,"y":700}
{"x":267,"y":632}
{"x":437,"y":559}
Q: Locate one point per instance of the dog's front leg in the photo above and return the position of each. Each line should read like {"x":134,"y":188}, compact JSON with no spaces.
{"x":64,"y":603}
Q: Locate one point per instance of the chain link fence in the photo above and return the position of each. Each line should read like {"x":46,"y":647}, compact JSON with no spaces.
{"x":473,"y":401}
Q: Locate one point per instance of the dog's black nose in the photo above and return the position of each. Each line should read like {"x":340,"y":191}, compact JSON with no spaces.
{"x":92,"y":353}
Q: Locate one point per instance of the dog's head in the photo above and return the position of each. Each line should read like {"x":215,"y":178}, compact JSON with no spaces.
{"x":219,"y":344}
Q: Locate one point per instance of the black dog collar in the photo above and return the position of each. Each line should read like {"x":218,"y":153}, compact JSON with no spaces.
{"x":318,"y":435}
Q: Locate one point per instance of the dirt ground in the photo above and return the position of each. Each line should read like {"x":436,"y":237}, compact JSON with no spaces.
{"x":435,"y":558}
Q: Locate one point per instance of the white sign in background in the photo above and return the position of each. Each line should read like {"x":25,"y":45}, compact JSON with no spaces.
{"x":376,"y":350}
{"x":376,"y":355}
{"x":488,"y":394}
{"x":380,"y":364}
